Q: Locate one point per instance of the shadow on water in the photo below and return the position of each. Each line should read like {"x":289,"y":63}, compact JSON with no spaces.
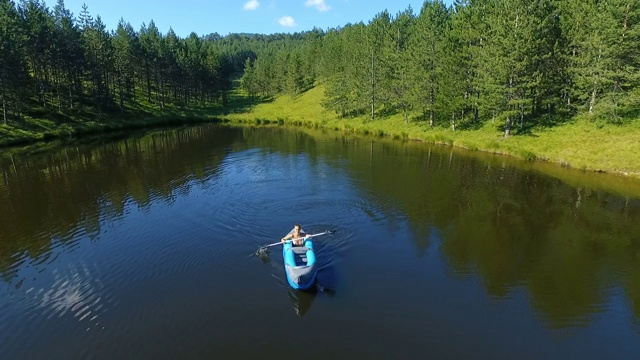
{"x":302,"y":300}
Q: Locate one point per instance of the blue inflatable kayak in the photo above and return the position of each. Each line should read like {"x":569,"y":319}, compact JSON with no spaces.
{"x":300,"y":264}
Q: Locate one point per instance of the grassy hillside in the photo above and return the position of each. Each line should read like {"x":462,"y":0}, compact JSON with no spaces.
{"x":41,"y":125}
{"x":580,"y":143}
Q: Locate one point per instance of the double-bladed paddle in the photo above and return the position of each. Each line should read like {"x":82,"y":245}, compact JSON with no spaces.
{"x":262,"y":249}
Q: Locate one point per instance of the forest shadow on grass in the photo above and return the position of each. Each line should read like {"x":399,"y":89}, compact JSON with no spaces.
{"x":633,"y":113}
{"x":242,"y":104}
{"x":386,"y":112}
{"x":544,"y":121}
{"x":625,"y":117}
{"x":470,"y":124}
{"x":558,"y":119}
{"x":525,"y":130}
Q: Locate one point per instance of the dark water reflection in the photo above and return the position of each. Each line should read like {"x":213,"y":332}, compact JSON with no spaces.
{"x":143,"y":247}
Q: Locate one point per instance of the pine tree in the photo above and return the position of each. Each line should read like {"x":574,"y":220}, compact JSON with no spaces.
{"x":248,"y":80}
{"x":38,"y":28}
{"x":99,"y":60}
{"x":334,"y":73}
{"x":213,"y":66}
{"x":123,"y":55}
{"x":624,"y":40}
{"x":295,"y":74}
{"x":13,"y":68}
{"x":511,"y":54}
{"x":428,"y":43}
{"x":603,"y":62}
{"x":69,"y":55}
{"x":379,"y":48}
{"x":150,"y":41}
{"x":400,"y":62}
{"x":174,"y":72}
{"x":467,"y":54}
{"x":358,"y":78}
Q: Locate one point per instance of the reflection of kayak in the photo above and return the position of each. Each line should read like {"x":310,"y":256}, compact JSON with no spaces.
{"x":300,"y":264}
{"x":302,"y":300}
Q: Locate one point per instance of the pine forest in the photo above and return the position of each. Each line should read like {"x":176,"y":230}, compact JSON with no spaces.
{"x":519,"y":63}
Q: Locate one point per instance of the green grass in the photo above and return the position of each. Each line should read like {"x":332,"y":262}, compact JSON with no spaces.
{"x":39,"y":125}
{"x":580,"y":144}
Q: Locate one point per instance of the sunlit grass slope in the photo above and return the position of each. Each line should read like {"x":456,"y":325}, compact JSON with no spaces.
{"x":580,"y":143}
{"x":39,"y":124}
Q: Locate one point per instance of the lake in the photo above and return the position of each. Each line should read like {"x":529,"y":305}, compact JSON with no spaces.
{"x":145,"y":247}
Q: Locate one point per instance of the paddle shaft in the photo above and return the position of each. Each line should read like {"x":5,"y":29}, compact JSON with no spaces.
{"x":307,"y":236}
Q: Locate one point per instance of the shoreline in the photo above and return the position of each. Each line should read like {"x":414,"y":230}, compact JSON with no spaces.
{"x":428,"y":139}
{"x":96,"y":128}
{"x":576,"y":144}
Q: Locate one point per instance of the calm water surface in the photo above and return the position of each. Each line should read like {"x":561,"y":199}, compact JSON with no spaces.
{"x":144,"y":248}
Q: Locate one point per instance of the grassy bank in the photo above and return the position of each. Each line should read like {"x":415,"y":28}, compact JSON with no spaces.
{"x":40,"y":125}
{"x":579,"y":143}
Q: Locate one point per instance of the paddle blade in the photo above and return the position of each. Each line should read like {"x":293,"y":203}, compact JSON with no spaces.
{"x":263,"y":255}
{"x":263,"y":251}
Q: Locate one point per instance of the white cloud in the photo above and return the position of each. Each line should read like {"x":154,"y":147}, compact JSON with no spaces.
{"x":251,"y":5}
{"x":287,"y":21}
{"x":318,"y":4}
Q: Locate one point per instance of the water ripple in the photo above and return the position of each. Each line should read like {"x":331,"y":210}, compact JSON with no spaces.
{"x":75,"y":291}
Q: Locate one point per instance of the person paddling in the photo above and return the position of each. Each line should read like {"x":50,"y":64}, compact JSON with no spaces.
{"x":297,"y":235}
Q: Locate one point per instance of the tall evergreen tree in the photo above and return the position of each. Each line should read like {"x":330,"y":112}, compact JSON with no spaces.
{"x":466,"y":51}
{"x":334,"y":72}
{"x":295,"y":74}
{"x":603,"y":63}
{"x":429,"y":57}
{"x":99,"y":51}
{"x":69,"y":55}
{"x":513,"y":54}
{"x":400,"y":59}
{"x":123,"y":55}
{"x":248,"y":80}
{"x":379,"y":48}
{"x":13,"y":68}
{"x":549,"y":67}
{"x":37,"y":23}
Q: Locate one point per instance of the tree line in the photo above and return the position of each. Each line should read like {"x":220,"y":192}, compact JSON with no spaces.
{"x":51,"y":62}
{"x":521,"y":62}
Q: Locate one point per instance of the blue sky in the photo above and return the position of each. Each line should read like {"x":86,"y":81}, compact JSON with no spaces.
{"x":235,"y":16}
